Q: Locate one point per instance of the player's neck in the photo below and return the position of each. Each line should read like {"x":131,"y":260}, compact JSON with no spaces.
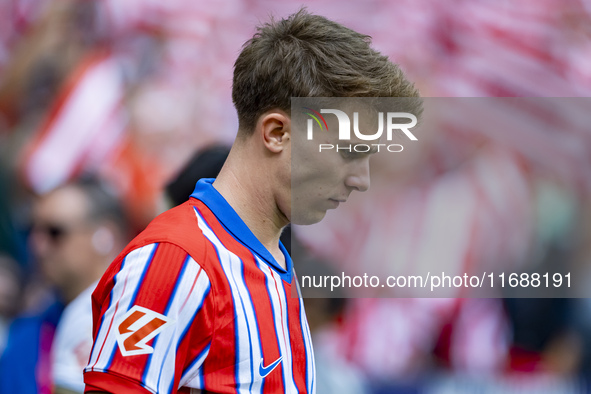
{"x":250,"y":198}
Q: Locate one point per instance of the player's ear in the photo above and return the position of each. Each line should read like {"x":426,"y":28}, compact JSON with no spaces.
{"x":275,"y":127}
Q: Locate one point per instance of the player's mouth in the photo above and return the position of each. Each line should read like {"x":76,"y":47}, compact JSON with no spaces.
{"x":336,"y":202}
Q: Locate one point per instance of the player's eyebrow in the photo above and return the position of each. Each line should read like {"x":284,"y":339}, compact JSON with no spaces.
{"x":352,"y":153}
{"x":373,"y":149}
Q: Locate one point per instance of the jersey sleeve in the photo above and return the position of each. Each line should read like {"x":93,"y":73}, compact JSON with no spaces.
{"x":153,"y":322}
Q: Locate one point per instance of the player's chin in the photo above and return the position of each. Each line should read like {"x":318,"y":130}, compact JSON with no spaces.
{"x":307,"y":217}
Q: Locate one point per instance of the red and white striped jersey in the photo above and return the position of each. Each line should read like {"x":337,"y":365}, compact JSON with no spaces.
{"x":196,"y":302}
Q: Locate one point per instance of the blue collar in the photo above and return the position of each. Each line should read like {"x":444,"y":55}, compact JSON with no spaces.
{"x":205,"y":192}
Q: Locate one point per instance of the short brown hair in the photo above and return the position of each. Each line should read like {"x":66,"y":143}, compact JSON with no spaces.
{"x":308,"y":55}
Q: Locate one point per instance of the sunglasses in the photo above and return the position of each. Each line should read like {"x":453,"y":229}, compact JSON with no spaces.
{"x":56,"y":233}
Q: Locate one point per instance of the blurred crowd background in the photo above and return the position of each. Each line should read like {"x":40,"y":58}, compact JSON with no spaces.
{"x":121,"y":95}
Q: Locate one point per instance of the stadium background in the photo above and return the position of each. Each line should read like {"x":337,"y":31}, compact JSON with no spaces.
{"x":130,"y":89}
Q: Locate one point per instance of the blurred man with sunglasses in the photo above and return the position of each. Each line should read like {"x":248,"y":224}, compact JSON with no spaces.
{"x":77,"y":230}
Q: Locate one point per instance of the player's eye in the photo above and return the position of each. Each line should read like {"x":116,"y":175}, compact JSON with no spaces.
{"x":353,"y":155}
{"x":348,"y":155}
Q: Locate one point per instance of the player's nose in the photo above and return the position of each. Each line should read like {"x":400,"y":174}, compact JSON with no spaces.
{"x":358,"y":179}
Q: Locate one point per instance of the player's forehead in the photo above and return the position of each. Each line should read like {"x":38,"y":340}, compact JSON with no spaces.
{"x":332,"y":113}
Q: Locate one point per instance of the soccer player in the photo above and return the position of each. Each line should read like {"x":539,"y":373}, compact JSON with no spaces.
{"x":201,"y":300}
